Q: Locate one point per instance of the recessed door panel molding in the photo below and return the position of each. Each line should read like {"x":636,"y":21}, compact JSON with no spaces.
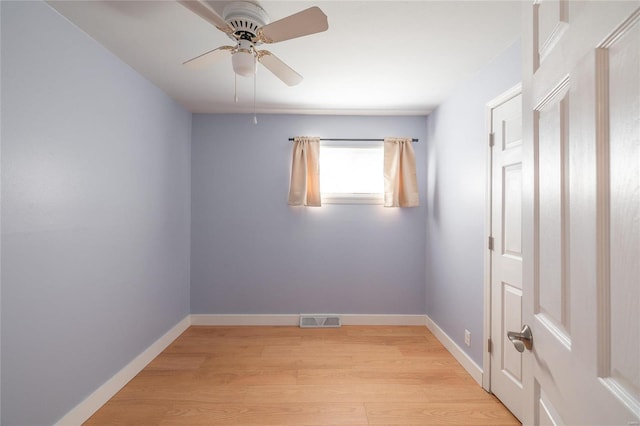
{"x":618,"y":83}
{"x":512,"y":320}
{"x":551,"y":21}
{"x":552,"y":286}
{"x":512,"y":129}
{"x":512,"y":211}
{"x":546,"y":413}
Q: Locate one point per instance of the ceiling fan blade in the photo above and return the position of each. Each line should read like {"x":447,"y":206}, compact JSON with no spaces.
{"x":209,"y":57}
{"x":206,"y":12}
{"x":279,"y":68}
{"x":308,"y":21}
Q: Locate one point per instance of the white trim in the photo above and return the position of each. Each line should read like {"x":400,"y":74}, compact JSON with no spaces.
{"x":472,"y":368}
{"x":486,"y":289}
{"x":486,"y":355}
{"x":356,"y":319}
{"x":85,"y":409}
{"x":351,"y":198}
{"x":504,"y":97}
{"x":246,"y":320}
{"x":294,"y":319}
{"x":332,"y":111}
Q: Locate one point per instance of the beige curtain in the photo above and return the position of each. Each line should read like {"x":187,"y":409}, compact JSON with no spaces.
{"x":400,"y":181}
{"x":304,"y":189}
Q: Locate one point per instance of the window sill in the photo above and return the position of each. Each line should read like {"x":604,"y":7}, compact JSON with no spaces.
{"x":374,"y":199}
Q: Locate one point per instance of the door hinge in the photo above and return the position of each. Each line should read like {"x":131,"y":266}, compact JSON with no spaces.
{"x":489,"y":348}
{"x":490,"y":243}
{"x":492,"y":139}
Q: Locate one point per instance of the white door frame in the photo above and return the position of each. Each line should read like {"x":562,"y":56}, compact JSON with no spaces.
{"x":486,"y":355}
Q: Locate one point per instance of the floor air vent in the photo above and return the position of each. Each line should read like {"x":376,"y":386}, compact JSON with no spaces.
{"x":319,"y":321}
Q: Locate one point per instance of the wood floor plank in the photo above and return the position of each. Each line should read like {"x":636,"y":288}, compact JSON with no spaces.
{"x":241,"y":341}
{"x":130,"y":413}
{"x":340,"y":377}
{"x":405,"y":363}
{"x":330,"y":349}
{"x":251,"y":377}
{"x":451,"y":413}
{"x":284,"y":362}
{"x":212,"y":349}
{"x":170,"y":362}
{"x":366,"y":339}
{"x":266,"y":414}
{"x":291,"y":376}
{"x":355,"y":393}
{"x":171,"y":392}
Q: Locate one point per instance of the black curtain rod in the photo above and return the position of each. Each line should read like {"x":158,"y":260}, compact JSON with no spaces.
{"x":354,"y":140}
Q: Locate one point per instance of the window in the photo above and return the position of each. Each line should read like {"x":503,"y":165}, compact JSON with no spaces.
{"x":352,"y":172}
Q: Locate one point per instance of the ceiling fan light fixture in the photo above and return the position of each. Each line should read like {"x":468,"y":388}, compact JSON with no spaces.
{"x":248,"y":25}
{"x":243,"y":62}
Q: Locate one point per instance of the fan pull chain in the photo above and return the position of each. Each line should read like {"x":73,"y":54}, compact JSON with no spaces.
{"x":235,"y":87}
{"x":255,"y":117}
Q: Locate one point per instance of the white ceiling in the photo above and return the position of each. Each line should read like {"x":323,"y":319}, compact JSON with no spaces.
{"x":377,"y":57}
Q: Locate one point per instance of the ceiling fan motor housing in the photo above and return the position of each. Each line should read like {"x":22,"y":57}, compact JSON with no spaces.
{"x":245,"y":18}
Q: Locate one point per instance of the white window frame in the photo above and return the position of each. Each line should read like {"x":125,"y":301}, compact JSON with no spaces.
{"x":353,"y":198}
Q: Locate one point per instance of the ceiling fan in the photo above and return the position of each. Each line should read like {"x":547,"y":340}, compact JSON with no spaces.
{"x":247,"y":24}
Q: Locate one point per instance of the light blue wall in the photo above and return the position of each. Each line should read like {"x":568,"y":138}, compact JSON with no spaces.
{"x":0,"y":217}
{"x":253,"y":254}
{"x":457,"y":179}
{"x":95,"y":214}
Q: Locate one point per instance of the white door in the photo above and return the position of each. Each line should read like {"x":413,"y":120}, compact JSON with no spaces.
{"x":581,"y":212}
{"x":506,"y":256}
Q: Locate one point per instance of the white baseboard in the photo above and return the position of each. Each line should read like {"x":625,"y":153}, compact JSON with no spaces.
{"x":294,"y":319}
{"x":355,"y":319}
{"x":246,"y":320}
{"x":85,"y":409}
{"x":472,"y":368}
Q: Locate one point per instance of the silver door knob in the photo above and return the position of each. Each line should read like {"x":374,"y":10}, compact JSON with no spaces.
{"x":521,"y":340}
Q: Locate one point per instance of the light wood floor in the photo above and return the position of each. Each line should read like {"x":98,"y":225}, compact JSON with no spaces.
{"x":292,"y":376}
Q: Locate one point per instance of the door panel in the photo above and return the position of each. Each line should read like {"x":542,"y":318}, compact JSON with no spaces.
{"x":581,"y":212}
{"x":506,"y":256}
{"x":551,"y":21}
{"x":618,"y":65}
{"x":546,"y":413}
{"x":512,"y":319}
{"x":512,"y":212}
{"x":552,"y":287}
